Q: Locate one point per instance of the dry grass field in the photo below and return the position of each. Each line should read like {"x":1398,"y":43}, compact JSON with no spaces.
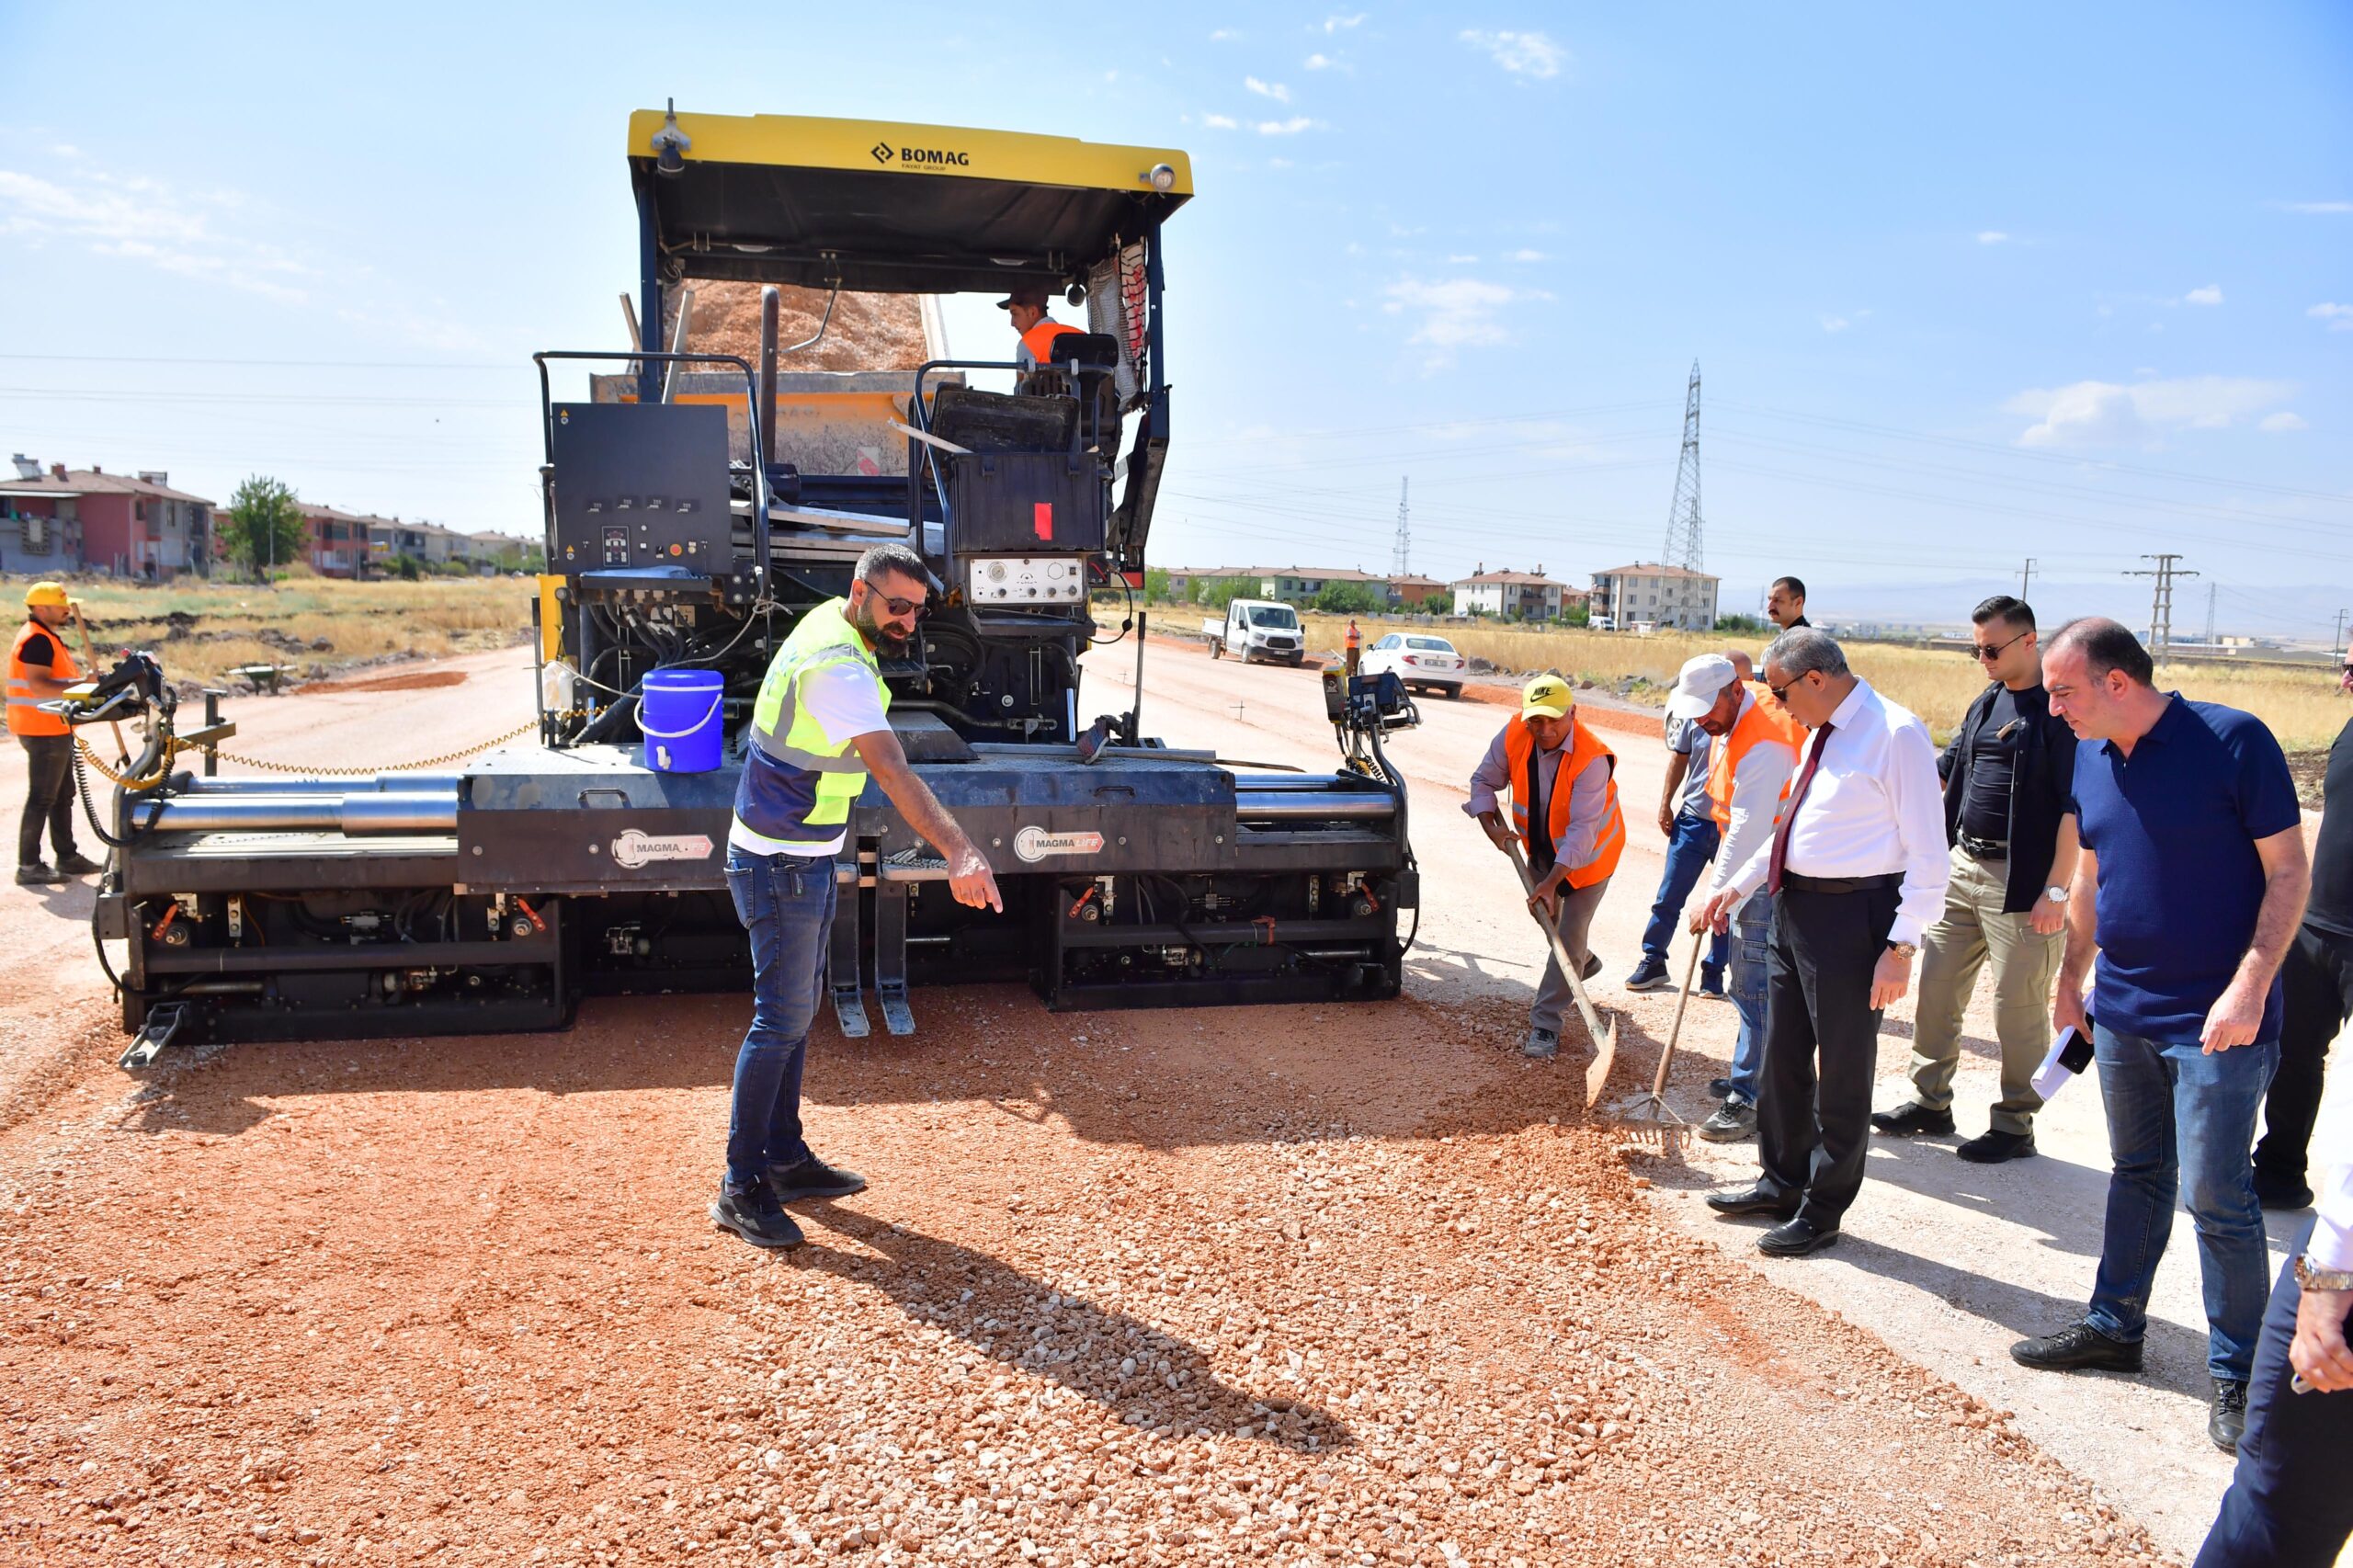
{"x":2305,"y":711}
{"x":309,"y":625}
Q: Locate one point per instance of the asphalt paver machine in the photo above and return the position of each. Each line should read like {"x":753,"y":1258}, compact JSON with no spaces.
{"x":688,"y":526}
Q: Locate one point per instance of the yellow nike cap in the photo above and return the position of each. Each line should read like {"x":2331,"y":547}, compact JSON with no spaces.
{"x":1547,"y":696}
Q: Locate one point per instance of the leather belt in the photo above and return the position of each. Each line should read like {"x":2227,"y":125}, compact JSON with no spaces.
{"x":1841,"y":884}
{"x":1984,"y":849}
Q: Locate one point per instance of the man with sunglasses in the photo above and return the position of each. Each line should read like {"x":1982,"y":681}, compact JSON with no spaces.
{"x":1857,"y":867}
{"x":823,"y":701}
{"x":2008,"y":774}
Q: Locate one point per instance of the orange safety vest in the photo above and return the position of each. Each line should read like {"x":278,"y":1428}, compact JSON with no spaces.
{"x":1354,"y":635}
{"x":25,"y":717}
{"x":1766,"y":720}
{"x":1040,"y":339}
{"x":1585,"y":750}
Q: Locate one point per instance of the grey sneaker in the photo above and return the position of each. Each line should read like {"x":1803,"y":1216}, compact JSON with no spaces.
{"x":1542,"y":1045}
{"x":1735,"y":1119}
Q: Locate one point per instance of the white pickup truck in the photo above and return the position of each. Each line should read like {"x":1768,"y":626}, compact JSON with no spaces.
{"x":1257,"y":629}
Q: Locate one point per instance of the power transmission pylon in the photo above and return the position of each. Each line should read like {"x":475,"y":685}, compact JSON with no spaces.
{"x":2161,"y":606}
{"x":1684,"y":546}
{"x":2210,"y":617}
{"x":1400,"y":563}
{"x":2025,"y":576}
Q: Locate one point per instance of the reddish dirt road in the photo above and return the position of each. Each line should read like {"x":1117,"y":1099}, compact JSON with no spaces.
{"x":1302,"y":1285}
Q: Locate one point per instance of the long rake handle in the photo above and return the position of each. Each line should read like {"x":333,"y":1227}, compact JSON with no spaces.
{"x":1666,"y":1057}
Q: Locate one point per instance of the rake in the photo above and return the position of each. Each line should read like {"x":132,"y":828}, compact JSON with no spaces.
{"x":1653,"y":1107}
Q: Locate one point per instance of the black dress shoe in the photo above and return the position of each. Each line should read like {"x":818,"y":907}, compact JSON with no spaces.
{"x":2079,"y":1348}
{"x":1909,"y":1121}
{"x":1794,"y":1237}
{"x":1991,"y":1148}
{"x":1592,"y":966}
{"x":2226,"y":1421}
{"x":814,"y":1179}
{"x":78,"y":864}
{"x":1754,"y":1199}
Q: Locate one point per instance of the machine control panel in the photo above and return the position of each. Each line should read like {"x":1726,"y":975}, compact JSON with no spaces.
{"x":640,"y":485}
{"x":1025,"y":579}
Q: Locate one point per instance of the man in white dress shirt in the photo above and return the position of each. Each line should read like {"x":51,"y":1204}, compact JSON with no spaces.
{"x":1857,"y":867}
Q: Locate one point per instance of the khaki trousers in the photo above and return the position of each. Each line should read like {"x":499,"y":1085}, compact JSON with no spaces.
{"x":1974,"y":932}
{"x":1553,"y":998}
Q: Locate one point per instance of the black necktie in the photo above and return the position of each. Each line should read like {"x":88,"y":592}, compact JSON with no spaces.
{"x":1539,"y":825}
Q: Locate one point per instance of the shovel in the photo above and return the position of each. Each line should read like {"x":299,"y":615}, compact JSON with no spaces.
{"x":1605,"y":1041}
{"x":1653,"y":1107}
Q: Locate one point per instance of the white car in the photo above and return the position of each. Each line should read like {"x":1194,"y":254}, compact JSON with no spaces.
{"x":1418,"y":659}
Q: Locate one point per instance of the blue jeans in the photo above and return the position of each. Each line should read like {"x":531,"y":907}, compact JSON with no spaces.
{"x":2288,"y":1505}
{"x":1688,"y":850}
{"x":2180,"y":1120}
{"x":787,"y":904}
{"x":1752,"y":939}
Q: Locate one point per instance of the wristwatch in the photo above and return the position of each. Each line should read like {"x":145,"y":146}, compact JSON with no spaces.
{"x":2055,"y":894}
{"x":2310,"y":1278}
{"x":1904,"y":950}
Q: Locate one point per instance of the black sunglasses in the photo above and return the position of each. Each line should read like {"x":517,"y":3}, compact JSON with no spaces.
{"x":895,"y":606}
{"x":1980,"y":651}
{"x":1781,"y":693}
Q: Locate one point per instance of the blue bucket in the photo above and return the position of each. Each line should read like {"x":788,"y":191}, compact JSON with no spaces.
{"x":679,"y":712}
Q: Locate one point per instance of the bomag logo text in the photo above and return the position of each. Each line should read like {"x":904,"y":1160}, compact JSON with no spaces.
{"x":934,"y":157}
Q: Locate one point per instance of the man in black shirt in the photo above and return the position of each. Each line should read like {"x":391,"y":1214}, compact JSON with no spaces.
{"x":2317,"y":985}
{"x":2008,"y":774}
{"x":1785,"y":603}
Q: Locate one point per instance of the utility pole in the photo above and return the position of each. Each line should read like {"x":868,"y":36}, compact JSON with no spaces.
{"x":2026,"y":575}
{"x":2337,"y":641}
{"x":1683,"y":545}
{"x":1400,"y":563}
{"x":2210,"y":617}
{"x":2161,"y":606}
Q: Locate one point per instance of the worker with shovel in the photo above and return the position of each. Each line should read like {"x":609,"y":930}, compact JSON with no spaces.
{"x":1563,"y":782}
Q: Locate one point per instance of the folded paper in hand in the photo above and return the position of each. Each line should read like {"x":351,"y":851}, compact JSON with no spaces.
{"x":2070,"y":1054}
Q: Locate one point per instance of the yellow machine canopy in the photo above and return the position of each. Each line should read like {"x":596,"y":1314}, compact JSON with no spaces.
{"x":874,"y":206}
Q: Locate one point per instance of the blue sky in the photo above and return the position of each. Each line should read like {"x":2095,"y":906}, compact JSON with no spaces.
{"x":2068,"y":282}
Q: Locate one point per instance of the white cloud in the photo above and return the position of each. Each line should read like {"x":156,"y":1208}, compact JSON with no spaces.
{"x":1214,"y":122}
{"x":1835,"y":324}
{"x":1524,"y":255}
{"x":2338,"y":317}
{"x":1522,"y":54}
{"x":2209,"y":295}
{"x":1290,"y":127}
{"x":1455,"y":313}
{"x":1279,"y":163}
{"x":1274,"y":90}
{"x":1319,"y":63}
{"x":2320,"y":207}
{"x":2283,"y":421}
{"x":1339,"y":24}
{"x":1991,"y":237}
{"x":140,"y":220}
{"x":1463,"y":261}
{"x":1223,"y":35}
{"x":2091,"y":413}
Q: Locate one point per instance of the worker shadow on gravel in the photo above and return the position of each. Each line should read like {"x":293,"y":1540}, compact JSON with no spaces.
{"x":2176,"y":1356}
{"x":1086,"y":1348}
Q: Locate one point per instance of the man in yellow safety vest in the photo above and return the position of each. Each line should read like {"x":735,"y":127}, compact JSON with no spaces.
{"x":822,"y":701}
{"x":39,"y":670}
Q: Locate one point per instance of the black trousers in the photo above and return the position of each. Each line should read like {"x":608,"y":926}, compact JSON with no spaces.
{"x":1814,"y":1104}
{"x":48,"y":767}
{"x":2316,"y":993}
{"x":2288,"y":1505}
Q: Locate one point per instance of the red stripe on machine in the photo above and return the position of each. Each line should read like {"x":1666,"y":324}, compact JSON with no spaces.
{"x":1041,"y":518}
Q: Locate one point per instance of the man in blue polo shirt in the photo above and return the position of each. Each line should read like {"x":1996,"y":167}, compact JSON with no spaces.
{"x":2191,"y":884}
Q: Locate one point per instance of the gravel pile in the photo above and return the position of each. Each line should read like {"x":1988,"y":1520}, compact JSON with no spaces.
{"x":1294,"y":1284}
